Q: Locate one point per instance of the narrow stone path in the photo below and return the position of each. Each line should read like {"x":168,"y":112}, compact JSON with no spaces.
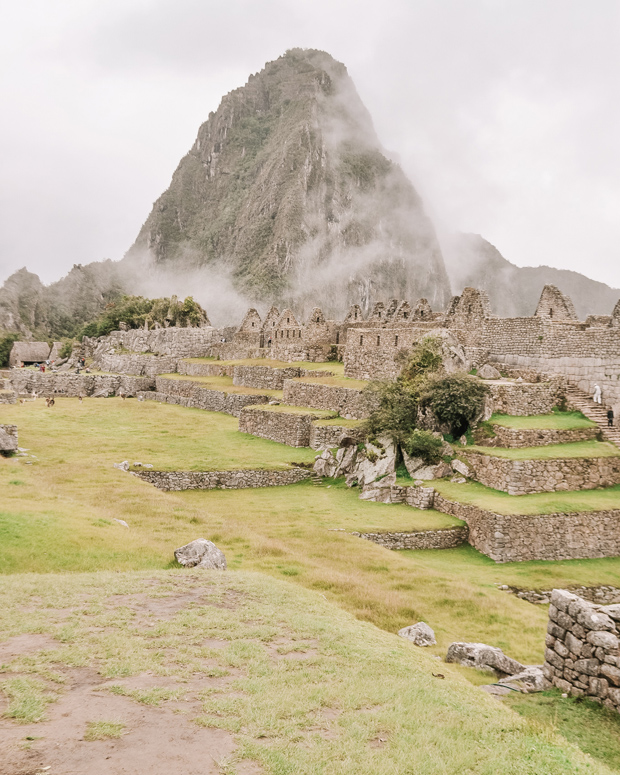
{"x":595,"y":412}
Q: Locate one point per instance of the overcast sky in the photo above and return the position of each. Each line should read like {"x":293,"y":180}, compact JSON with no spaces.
{"x":504,"y":113}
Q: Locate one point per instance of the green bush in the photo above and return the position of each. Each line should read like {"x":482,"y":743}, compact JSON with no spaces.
{"x":425,"y":445}
{"x":6,"y":345}
{"x":425,"y":358}
{"x":455,"y":399}
{"x":397,"y":411}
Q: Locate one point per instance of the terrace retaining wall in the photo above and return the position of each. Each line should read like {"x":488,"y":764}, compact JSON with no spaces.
{"x":224,"y":480}
{"x":519,"y":537}
{"x":330,"y":436}
{"x":525,"y":398}
{"x":446,"y":538}
{"x":8,"y":397}
{"x":132,"y":363}
{"x":292,"y":428}
{"x":191,"y":394}
{"x":213,"y":369}
{"x":347,"y":402}
{"x":98,"y":385}
{"x":529,"y":437}
{"x":521,"y":477}
{"x":581,"y":655}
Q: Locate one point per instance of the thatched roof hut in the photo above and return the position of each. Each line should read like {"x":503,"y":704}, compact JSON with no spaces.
{"x":29,"y":352}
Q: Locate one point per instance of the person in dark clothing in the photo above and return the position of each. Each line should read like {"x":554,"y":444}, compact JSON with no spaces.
{"x":610,"y":417}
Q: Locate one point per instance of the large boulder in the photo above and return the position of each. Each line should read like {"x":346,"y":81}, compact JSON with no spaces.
{"x":379,"y":491}
{"x":325,"y":464}
{"x":528,"y":681}
{"x":420,"y":634}
{"x":345,"y":457}
{"x":201,"y":554}
{"x":462,"y":468}
{"x":489,"y":372}
{"x":453,"y":356}
{"x":375,"y":461}
{"x":8,"y":439}
{"x":483,"y":657}
{"x":438,"y":471}
{"x":412,"y":464}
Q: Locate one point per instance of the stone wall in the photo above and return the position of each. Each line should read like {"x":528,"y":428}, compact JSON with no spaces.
{"x":447,"y":538}
{"x":529,"y":437}
{"x":526,"y":398}
{"x":135,"y":363}
{"x":330,"y":436}
{"x":225,"y":480}
{"x":521,"y":477}
{"x":581,"y":655}
{"x":174,"y":342}
{"x":192,"y":394}
{"x":291,"y":428}
{"x":8,"y":397}
{"x":208,"y":369}
{"x":232,"y":351}
{"x":8,"y":439}
{"x":264,"y":377}
{"x":347,"y":402}
{"x":519,"y":538}
{"x":59,"y":383}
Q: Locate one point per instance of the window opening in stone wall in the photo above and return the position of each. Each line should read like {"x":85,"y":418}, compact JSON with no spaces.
{"x":378,"y":340}
{"x":551,"y":312}
{"x":395,"y":340}
{"x":288,"y":320}
{"x":337,"y":337}
{"x":287,"y":332}
{"x":252,"y":325}
{"x":361,"y":340}
{"x":356,"y":315}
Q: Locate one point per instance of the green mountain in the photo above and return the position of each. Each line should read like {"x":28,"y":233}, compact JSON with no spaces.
{"x":288,"y":193}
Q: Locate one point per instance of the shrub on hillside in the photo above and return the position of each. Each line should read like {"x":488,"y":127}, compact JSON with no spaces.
{"x":396,"y":412}
{"x":425,"y":358}
{"x":425,"y":445}
{"x":455,"y":399}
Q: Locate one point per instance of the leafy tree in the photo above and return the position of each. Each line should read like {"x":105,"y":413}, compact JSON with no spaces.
{"x":397,"y":409}
{"x":454,"y":399}
{"x":6,"y":345}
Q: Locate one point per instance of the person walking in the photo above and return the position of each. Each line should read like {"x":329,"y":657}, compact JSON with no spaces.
{"x":610,"y":417}
{"x":597,"y":394}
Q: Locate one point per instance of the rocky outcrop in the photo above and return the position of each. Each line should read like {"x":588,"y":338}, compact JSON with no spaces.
{"x":201,"y":554}
{"x":420,"y":634}
{"x":483,"y":657}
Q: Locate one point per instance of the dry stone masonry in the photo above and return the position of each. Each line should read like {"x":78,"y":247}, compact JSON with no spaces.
{"x":582,"y":656}
{"x":291,"y":428}
{"x":224,"y":480}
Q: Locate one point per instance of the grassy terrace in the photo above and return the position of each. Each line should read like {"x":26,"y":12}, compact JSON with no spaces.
{"x":337,"y":367}
{"x":477,"y":494}
{"x":346,"y":382}
{"x":224,"y":384}
{"x":288,"y":409}
{"x":289,"y":682}
{"x":557,"y":421}
{"x":578,"y":449}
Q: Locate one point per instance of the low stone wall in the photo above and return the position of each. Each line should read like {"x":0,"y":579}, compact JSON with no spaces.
{"x":330,"y":436}
{"x":447,"y":538}
{"x":8,"y":439}
{"x":525,"y":398}
{"x":518,"y":538}
{"x":581,"y":655}
{"x":518,"y":437}
{"x":8,"y":397}
{"x":520,"y":477}
{"x":134,"y":363}
{"x":291,"y":428}
{"x":192,"y":394}
{"x":347,"y":402}
{"x":264,"y":377}
{"x":58,"y":383}
{"x":233,"y":351}
{"x":213,"y":369}
{"x":224,"y":480}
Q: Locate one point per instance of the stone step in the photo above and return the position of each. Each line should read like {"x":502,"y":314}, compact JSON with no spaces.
{"x":584,"y":403}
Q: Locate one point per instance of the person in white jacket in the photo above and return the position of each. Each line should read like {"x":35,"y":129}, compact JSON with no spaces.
{"x":597,"y":394}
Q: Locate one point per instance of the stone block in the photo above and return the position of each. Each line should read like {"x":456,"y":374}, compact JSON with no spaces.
{"x":587,"y":666}
{"x":611,"y":673}
{"x":573,"y":644}
{"x":603,"y":639}
{"x":555,"y":630}
{"x":553,"y":658}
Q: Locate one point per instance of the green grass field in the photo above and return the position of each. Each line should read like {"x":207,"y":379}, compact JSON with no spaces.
{"x":341,"y":421}
{"x":477,"y":494}
{"x":302,"y":686}
{"x":57,"y":515}
{"x":577,"y":449}
{"x":557,"y":421}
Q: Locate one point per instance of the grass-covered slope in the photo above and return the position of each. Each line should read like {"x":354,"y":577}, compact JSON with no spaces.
{"x":294,"y":684}
{"x":557,"y":421}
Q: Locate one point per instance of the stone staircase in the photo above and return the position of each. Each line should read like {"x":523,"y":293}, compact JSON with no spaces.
{"x":595,"y":412}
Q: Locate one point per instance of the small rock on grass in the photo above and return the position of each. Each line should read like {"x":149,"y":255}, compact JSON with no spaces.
{"x":201,"y":553}
{"x":420,"y":634}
